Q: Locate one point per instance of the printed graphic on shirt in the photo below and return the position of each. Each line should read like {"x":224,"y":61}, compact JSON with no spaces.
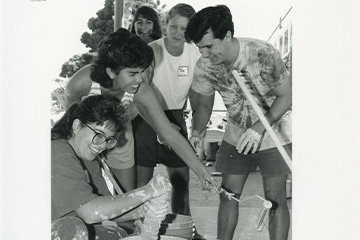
{"x":183,"y":71}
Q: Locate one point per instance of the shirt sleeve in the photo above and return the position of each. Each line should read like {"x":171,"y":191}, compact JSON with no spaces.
{"x":69,"y":185}
{"x":273,"y":70}
{"x":202,"y":77}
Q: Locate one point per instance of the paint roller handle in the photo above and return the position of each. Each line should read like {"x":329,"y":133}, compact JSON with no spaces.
{"x":108,"y":173}
{"x":262,"y":118}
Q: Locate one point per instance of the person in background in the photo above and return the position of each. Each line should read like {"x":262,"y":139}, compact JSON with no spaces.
{"x":170,"y":76}
{"x":78,"y":189}
{"x":146,"y":24}
{"x":246,"y":144}
{"x":121,"y":60}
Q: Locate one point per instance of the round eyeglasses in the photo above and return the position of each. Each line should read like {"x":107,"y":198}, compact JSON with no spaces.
{"x":100,"y":138}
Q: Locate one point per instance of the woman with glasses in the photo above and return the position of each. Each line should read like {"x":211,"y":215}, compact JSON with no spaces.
{"x":78,"y":189}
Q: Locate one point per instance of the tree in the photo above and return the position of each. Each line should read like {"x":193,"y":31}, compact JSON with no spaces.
{"x":75,"y":63}
{"x":101,"y":26}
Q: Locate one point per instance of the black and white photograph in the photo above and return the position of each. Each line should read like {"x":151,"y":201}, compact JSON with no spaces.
{"x":172,"y":120}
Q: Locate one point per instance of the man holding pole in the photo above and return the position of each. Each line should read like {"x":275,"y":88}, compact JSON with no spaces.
{"x":248,"y":142}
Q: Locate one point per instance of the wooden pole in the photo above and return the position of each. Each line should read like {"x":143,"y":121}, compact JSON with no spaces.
{"x":118,"y":14}
{"x":109,"y":174}
{"x":262,"y":118}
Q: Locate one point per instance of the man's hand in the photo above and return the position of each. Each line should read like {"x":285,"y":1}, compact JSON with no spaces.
{"x":196,"y":140}
{"x":248,"y":140}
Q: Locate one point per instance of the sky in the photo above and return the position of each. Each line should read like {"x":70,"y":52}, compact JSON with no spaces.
{"x":60,"y":23}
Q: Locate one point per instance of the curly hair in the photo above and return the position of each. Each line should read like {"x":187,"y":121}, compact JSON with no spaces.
{"x":119,"y":50}
{"x":103,"y":110}
{"x":150,"y":14}
{"x":218,"y":19}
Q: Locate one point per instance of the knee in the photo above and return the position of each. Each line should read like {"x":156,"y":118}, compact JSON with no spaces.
{"x":69,"y":228}
{"x":277,"y":203}
{"x":278,"y":197}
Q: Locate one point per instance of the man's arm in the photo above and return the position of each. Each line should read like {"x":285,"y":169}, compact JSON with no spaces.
{"x":78,"y":86}
{"x":202,"y":106}
{"x":281,"y":104}
{"x":276,"y":73}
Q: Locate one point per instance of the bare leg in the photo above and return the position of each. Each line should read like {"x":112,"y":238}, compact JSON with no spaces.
{"x":179,"y":179}
{"x":125,"y":177}
{"x":228,"y":212}
{"x":279,"y":216}
{"x":144,"y":174}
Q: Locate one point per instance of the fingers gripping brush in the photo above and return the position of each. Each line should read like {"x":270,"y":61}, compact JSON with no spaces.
{"x":260,"y":222}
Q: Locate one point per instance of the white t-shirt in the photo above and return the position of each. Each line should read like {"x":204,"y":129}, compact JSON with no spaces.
{"x":172,"y":76}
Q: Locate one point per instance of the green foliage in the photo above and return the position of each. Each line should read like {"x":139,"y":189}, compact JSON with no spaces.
{"x":101,"y":26}
{"x":75,"y":63}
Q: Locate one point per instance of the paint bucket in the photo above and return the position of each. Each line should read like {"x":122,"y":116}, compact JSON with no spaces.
{"x":161,"y":238}
{"x":177,"y":225}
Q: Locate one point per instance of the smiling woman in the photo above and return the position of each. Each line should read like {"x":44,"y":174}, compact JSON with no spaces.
{"x":78,"y":188}
{"x":118,"y":68}
{"x":146,"y":24}
{"x":97,"y":121}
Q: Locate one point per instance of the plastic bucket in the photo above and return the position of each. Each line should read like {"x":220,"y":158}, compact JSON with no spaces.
{"x":177,"y":225}
{"x":161,"y":238}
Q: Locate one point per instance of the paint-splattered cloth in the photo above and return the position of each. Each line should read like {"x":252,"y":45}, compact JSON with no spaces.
{"x":70,"y":228}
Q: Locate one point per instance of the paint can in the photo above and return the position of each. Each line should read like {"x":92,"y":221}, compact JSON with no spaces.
{"x":161,"y":238}
{"x":177,"y":225}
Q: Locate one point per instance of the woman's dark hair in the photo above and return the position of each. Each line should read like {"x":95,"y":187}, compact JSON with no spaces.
{"x":218,"y":19}
{"x":150,"y":14}
{"x":119,"y":50}
{"x":100,"y":109}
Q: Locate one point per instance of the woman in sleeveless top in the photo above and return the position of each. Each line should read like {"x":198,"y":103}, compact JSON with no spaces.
{"x":121,"y":60}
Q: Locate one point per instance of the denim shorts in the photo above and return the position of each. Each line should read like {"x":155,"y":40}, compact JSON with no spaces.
{"x":269,"y":161}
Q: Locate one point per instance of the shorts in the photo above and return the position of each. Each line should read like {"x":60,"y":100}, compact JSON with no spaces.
{"x":270,"y":161}
{"x":122,"y":157}
{"x":148,"y":152}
